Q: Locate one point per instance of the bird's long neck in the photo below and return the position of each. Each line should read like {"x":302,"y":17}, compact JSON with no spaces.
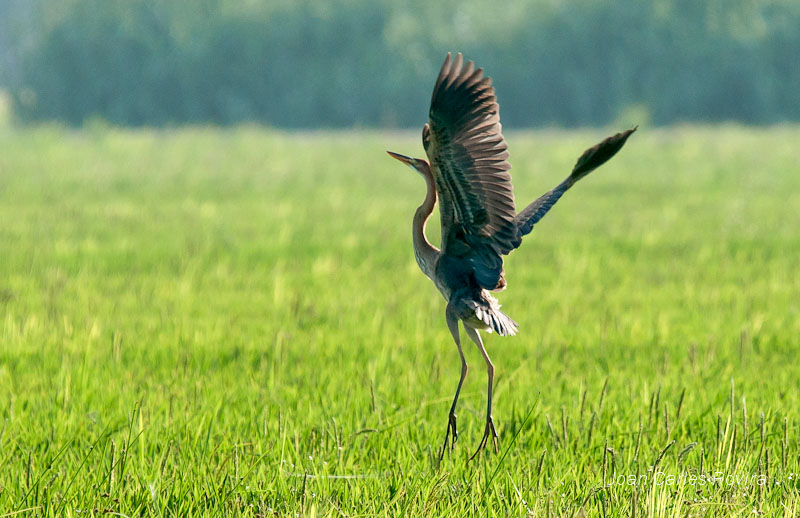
{"x":424,"y":251}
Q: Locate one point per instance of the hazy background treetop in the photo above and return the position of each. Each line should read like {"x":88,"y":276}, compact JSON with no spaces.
{"x":372,"y":63}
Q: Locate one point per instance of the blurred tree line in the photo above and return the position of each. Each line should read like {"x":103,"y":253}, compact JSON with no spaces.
{"x":338,"y":63}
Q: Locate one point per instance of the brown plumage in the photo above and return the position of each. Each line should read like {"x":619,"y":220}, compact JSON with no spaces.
{"x":469,"y":176}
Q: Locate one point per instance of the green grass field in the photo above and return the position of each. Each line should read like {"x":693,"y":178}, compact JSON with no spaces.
{"x":202,"y":322}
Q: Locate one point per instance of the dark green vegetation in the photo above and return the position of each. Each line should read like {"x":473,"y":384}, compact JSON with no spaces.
{"x":312,"y":63}
{"x":204,"y":321}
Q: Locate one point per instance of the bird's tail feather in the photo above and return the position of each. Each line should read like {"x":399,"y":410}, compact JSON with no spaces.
{"x":488,"y":312}
{"x":503,"y":324}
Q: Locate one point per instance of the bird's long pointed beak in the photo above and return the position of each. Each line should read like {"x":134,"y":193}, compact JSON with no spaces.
{"x":405,"y":159}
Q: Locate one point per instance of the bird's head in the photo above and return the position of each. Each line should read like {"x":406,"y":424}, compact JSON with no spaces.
{"x":417,"y":164}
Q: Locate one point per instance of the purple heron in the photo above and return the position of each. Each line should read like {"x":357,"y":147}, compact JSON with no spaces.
{"x":467,"y":172}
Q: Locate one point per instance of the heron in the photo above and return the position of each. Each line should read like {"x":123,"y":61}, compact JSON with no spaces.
{"x":467,"y":173}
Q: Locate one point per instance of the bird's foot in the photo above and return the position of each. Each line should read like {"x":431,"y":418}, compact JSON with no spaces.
{"x":452,"y":434}
{"x":490,"y":429}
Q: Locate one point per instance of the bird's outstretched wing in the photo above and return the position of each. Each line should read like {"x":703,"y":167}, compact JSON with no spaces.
{"x":590,"y":160}
{"x":468,"y":155}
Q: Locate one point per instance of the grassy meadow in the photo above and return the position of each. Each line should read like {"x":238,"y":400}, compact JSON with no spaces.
{"x":200,"y":322}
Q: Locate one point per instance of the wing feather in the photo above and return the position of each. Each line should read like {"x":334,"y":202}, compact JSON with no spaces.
{"x":468,"y":157}
{"x":590,"y":160}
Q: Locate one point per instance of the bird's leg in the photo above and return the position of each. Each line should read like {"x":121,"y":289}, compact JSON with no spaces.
{"x":490,"y":429}
{"x":452,"y":324}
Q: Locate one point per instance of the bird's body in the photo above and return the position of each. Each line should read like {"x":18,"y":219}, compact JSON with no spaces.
{"x":468,"y":175}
